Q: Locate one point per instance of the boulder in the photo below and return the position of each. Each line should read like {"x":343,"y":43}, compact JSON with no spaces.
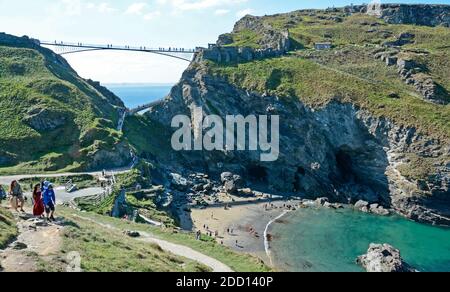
{"x":383,"y":258}
{"x":133,"y":234}
{"x":378,"y":210}
{"x":405,"y":64}
{"x":179,"y":182}
{"x":361,"y":204}
{"x":232,"y":182}
{"x":45,"y":119}
{"x":247,"y":192}
{"x":226,"y":176}
{"x":19,"y":246}
{"x":322,"y":201}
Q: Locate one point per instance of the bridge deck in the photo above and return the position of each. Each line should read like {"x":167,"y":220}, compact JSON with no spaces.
{"x":121,"y":48}
{"x":145,"y":106}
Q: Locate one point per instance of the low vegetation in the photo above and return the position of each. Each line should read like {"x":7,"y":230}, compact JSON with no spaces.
{"x":348,"y":72}
{"x":148,"y":137}
{"x":51,"y":118}
{"x":208,"y":246}
{"x":110,"y":250}
{"x":8,"y":229}
{"x":317,"y":85}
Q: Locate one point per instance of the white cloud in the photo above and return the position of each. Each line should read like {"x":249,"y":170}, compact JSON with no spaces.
{"x":221,"y":11}
{"x":71,"y":7}
{"x":78,"y":7}
{"x":152,"y":15}
{"x":103,"y":7}
{"x":244,"y":12}
{"x":137,"y":8}
{"x":197,"y":5}
{"x":143,"y":9}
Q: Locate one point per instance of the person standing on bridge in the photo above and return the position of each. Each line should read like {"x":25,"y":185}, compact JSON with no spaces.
{"x":49,"y":199}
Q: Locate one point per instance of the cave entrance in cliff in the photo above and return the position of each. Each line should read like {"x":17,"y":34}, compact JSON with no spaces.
{"x":257,"y":173}
{"x":345,"y":165}
{"x":301,"y":172}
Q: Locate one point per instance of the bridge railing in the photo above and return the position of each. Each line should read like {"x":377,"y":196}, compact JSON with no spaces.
{"x":115,"y":47}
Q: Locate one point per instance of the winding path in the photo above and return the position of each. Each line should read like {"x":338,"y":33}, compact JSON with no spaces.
{"x":176,"y":249}
{"x":7,"y":179}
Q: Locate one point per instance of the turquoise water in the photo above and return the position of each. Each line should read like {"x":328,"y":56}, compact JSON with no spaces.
{"x":136,"y":95}
{"x":329,"y":240}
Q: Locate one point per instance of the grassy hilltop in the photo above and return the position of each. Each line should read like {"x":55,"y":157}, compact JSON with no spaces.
{"x":348,"y":72}
{"x":51,"y":118}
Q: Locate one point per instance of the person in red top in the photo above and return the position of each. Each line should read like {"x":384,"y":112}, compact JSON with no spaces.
{"x":38,"y":206}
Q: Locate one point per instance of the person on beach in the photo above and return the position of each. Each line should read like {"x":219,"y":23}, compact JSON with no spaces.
{"x":17,"y":200}
{"x":38,"y":204}
{"x":49,"y":199}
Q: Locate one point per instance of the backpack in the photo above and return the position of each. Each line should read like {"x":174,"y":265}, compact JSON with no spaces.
{"x":2,"y":194}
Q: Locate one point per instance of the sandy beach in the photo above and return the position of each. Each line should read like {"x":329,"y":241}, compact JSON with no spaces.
{"x":242,"y":224}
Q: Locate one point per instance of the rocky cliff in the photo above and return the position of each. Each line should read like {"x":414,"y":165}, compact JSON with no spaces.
{"x":338,"y":151}
{"x":430,"y":15}
{"x":342,"y":135}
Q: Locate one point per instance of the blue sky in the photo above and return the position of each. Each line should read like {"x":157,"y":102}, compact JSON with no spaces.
{"x":175,"y":23}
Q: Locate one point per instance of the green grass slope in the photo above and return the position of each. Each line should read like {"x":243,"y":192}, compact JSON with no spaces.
{"x":98,"y":256}
{"x":50,"y":117}
{"x":348,"y":72}
{"x":8,"y":229}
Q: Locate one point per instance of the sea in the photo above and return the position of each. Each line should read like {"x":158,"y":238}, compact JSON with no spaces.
{"x":326,"y":240}
{"x":134,"y":95}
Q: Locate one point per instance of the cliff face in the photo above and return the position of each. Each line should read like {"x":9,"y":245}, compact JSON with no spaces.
{"x":350,"y":130}
{"x":338,"y":151}
{"x":429,"y":15}
{"x":268,"y":42}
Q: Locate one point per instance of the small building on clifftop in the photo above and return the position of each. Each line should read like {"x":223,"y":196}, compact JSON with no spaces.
{"x":323,"y":46}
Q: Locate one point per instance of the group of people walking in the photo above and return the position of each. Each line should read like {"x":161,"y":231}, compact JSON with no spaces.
{"x":43,"y":198}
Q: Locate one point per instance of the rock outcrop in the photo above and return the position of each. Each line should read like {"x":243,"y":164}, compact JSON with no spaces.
{"x":411,"y":71}
{"x":383,"y":258}
{"x":231,"y":182}
{"x":361,"y":163}
{"x":272,"y":43}
{"x":418,"y":14}
{"x":422,"y":14}
{"x":42,"y":119}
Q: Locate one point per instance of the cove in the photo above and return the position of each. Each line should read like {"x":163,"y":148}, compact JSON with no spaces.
{"x":324,"y":240}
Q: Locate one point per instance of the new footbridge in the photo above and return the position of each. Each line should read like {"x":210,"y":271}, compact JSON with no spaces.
{"x":65,"y":48}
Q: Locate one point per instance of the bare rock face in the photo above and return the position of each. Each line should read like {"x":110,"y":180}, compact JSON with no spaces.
{"x":360,"y":163}
{"x":418,"y":14}
{"x":270,"y":38}
{"x":272,"y":43}
{"x":427,"y":15}
{"x":412,"y":72}
{"x":232,"y":182}
{"x":45,"y":119}
{"x":383,"y":258}
{"x":110,"y":158}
